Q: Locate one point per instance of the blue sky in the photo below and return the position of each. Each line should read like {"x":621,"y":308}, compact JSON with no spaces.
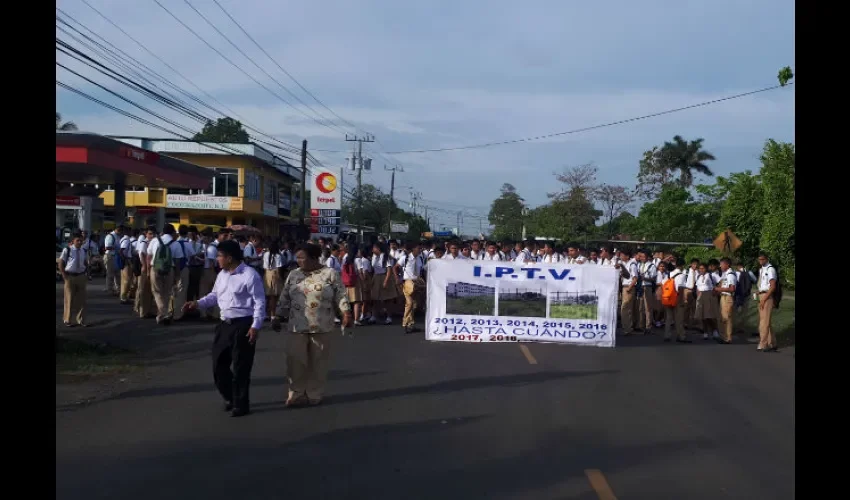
{"x":442,"y":74}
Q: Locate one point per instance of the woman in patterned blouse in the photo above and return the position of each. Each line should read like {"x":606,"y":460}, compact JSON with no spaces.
{"x":312,"y":295}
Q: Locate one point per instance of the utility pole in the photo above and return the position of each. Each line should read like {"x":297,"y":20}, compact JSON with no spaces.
{"x":414,"y":200}
{"x":397,"y":168}
{"x":303,"y":181}
{"x":358,"y":163}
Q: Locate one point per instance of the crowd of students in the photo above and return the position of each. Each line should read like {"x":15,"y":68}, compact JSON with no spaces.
{"x":387,"y":278}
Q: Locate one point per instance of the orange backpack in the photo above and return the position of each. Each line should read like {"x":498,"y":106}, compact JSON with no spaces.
{"x":669,"y":294}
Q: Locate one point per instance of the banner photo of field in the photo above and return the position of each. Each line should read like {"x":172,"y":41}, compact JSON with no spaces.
{"x":483,"y":301}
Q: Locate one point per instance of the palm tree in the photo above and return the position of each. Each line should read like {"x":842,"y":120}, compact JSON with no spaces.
{"x":686,"y":158}
{"x":65,"y":127}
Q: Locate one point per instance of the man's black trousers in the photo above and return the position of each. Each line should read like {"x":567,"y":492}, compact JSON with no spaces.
{"x":231,"y":346}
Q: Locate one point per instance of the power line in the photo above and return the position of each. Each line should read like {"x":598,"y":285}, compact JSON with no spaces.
{"x":230,"y":112}
{"x":273,"y":60}
{"x":583,"y":129}
{"x":332,"y":126}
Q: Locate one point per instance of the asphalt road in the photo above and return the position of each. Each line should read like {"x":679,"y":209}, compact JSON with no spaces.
{"x":406,"y":418}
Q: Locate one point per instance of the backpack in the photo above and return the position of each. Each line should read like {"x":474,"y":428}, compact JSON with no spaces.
{"x":777,"y":292}
{"x":162,"y":262}
{"x":669,"y":294}
{"x":349,"y":274}
{"x":742,"y":291}
{"x":181,"y":262}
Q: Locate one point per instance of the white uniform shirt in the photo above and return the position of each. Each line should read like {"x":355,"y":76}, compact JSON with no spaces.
{"x":111,"y":240}
{"x":634,"y":270}
{"x":576,"y":260}
{"x":90,"y":246}
{"x":125,"y":245}
{"x":681,"y":279}
{"x":176,"y":250}
{"x":551,"y":259}
{"x":74,"y":259}
{"x":691,"y":281}
{"x":729,"y":279}
{"x":661,"y":278}
{"x":524,"y":256}
{"x":363,"y":264}
{"x":648,"y":273}
{"x":333,"y":263}
{"x":211,"y":254}
{"x":706,"y":282}
{"x":142,"y":247}
{"x":380,"y":263}
{"x":766,"y":273}
{"x":271,"y":261}
{"x":410,"y":267}
{"x":495,"y":256}
{"x":606,"y":262}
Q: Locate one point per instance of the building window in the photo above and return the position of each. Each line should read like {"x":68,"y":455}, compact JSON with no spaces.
{"x":270,"y":192}
{"x":226,"y":182}
{"x":252,"y":186}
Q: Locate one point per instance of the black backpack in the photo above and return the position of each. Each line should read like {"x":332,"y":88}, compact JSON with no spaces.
{"x":777,"y":291}
{"x":742,"y":291}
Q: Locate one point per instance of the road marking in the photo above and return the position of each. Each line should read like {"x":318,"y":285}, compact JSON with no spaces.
{"x":527,"y":354}
{"x":599,"y":484}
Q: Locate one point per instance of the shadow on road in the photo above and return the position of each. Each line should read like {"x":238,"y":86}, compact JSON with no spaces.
{"x":517,"y":380}
{"x":435,"y":458}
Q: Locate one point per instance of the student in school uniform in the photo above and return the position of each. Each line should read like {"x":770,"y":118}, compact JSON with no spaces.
{"x":383,"y":282}
{"x":766,"y":289}
{"x":211,"y":268}
{"x":705,"y":311}
{"x":363,"y":263}
{"x":72,"y":265}
{"x":691,"y":293}
{"x":126,"y":273}
{"x":144,"y":303}
{"x":726,"y":288}
{"x":181,"y":273}
{"x":348,"y":265}
{"x":408,"y":265}
{"x":680,"y":277}
{"x":668,"y":312}
{"x":162,"y":285}
{"x":629,"y":306}
{"x":550,"y":256}
{"x":272,"y":280}
{"x":492,"y":253}
{"x":647,"y":304}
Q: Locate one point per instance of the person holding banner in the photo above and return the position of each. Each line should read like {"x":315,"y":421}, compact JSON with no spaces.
{"x":312,"y":296}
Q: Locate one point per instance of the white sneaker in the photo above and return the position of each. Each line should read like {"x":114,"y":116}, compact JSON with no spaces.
{"x":715,"y":335}
{"x":389,"y":321}
{"x":337,"y":321}
{"x":358,"y":323}
{"x":705,"y":336}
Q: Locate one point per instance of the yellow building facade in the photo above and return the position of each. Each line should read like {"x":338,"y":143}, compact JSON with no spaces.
{"x":248,"y":185}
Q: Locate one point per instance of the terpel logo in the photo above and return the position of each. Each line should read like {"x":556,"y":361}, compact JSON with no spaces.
{"x":326,"y":182}
{"x":530,"y":273}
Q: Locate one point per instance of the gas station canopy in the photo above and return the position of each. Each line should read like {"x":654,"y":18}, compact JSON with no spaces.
{"x":86,"y":158}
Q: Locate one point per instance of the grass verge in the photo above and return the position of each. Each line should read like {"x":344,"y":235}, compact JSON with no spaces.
{"x":77,"y":361}
{"x":573,"y":311}
{"x":782,"y":319}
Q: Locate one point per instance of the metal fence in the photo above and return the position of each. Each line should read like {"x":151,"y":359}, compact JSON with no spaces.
{"x":574,"y":298}
{"x":521,"y":294}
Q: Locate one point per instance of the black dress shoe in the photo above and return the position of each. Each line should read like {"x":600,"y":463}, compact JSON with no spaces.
{"x":239,"y":412}
{"x":228,"y":406}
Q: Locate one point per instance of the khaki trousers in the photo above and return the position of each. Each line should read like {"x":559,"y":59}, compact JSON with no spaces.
{"x":181,"y":289}
{"x":766,"y":336}
{"x":112,"y":277}
{"x":627,"y":309}
{"x":409,"y":304}
{"x":680,"y":314}
{"x":75,"y":298}
{"x":690,"y":307}
{"x":204,"y":288}
{"x":647,"y":307}
{"x":307,"y":356}
{"x":144,"y":296}
{"x":161,"y":287}
{"x":727,"y":317}
{"x":127,"y":281}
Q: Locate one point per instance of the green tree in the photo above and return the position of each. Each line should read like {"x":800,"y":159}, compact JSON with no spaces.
{"x":675,"y":162}
{"x":506,"y":214}
{"x":572,"y":208}
{"x":743,"y":212}
{"x":674,"y":216}
{"x":375,"y":209}
{"x":778,"y":179}
{"x":614,"y":200}
{"x":223,"y":130}
{"x":64,"y":127}
{"x":785,"y":75}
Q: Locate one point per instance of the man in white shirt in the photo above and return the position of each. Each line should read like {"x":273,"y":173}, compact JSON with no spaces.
{"x":125,"y":245}
{"x":72,"y":265}
{"x":162,"y":283}
{"x":492,"y":253}
{"x":90,"y":246}
{"x":767,"y":283}
{"x":691,"y":292}
{"x":628,"y":308}
{"x":726,"y":287}
{"x":526,"y":255}
{"x":453,"y":253}
{"x":210,"y":268}
{"x":181,"y":272}
{"x":410,"y":267}
{"x":110,"y":246}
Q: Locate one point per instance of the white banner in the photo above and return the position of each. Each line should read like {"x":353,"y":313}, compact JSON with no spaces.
{"x":481,"y":301}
